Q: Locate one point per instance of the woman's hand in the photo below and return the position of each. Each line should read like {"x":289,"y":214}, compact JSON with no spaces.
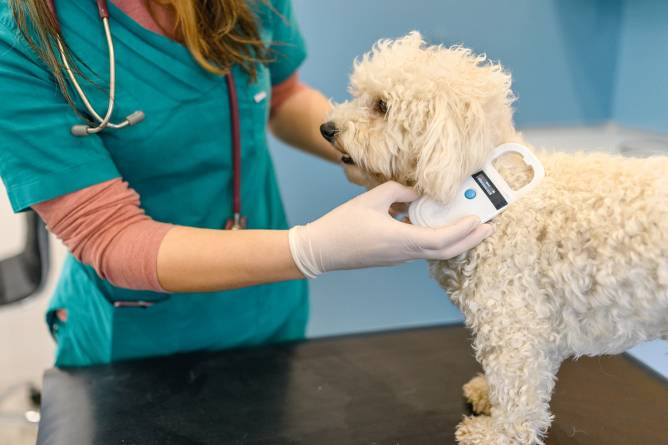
{"x":361,"y":233}
{"x":357,"y":176}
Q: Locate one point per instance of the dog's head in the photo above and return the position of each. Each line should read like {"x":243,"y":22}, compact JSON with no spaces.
{"x":425,"y":116}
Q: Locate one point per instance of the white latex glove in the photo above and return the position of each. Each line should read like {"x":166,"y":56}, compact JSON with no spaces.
{"x":361,"y":233}
{"x":356,"y":176}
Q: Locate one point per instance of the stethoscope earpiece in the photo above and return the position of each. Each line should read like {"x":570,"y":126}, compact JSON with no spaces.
{"x":79,"y":130}
{"x":135,"y":118}
{"x":84,"y":130}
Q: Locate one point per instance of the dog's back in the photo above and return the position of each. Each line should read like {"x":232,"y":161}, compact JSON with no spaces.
{"x":587,"y":251}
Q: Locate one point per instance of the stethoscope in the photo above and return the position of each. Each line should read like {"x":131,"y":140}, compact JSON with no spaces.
{"x":101,"y":123}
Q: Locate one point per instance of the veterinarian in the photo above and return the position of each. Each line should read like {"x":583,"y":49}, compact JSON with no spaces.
{"x":135,"y":160}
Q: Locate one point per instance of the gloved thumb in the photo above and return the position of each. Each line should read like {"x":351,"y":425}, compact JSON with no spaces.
{"x":386,"y":194}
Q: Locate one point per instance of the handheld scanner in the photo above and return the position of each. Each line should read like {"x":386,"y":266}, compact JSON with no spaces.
{"x":485,"y":193}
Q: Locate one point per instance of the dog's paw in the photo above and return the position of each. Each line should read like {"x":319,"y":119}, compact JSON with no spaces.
{"x":486,"y":430}
{"x":476,"y":431}
{"x":476,"y":393}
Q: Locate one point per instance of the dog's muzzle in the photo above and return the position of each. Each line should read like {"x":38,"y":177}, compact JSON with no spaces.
{"x":328,"y":130}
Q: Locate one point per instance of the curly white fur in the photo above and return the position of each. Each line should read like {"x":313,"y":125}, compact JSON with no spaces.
{"x":579,"y":267}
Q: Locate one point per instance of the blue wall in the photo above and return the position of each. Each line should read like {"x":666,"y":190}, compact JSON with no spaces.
{"x":564,"y":58}
{"x":561,"y":52}
{"x":641,"y":87}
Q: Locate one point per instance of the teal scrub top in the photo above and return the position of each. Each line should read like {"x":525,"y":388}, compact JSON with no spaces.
{"x":178,"y":160}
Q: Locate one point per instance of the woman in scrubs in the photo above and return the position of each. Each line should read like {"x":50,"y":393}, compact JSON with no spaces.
{"x":151,"y":270}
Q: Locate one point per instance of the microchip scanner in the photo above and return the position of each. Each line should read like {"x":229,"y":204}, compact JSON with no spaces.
{"x":484,"y":194}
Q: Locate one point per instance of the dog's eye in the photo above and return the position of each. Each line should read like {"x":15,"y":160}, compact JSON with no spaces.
{"x":380,"y":106}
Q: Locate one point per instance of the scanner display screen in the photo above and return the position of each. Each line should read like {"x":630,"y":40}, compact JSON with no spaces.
{"x":490,"y":190}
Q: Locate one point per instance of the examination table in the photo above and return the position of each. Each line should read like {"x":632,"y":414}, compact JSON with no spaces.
{"x":394,"y":388}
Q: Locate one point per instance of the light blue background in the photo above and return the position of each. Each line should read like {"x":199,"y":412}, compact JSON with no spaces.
{"x":641,"y":89}
{"x":573,"y":62}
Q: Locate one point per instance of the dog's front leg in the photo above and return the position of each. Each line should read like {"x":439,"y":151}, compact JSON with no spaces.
{"x":520,"y":373}
{"x":476,"y":393}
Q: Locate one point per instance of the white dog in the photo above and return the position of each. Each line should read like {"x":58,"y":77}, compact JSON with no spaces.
{"x":578,"y":267}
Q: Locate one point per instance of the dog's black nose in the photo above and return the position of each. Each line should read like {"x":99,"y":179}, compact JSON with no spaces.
{"x":328,"y":131}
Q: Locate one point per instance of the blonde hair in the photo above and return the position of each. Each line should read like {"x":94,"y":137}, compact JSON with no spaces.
{"x":218,"y":34}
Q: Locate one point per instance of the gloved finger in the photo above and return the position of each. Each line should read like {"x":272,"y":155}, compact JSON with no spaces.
{"x":468,"y":242}
{"x":442,"y":237}
{"x":386,"y":194}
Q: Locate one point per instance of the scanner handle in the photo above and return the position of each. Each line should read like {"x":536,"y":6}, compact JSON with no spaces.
{"x":528,"y":157}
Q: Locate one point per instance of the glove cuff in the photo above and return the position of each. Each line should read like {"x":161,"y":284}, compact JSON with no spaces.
{"x":302,"y":252}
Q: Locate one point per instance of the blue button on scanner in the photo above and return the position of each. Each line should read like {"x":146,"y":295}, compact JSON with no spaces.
{"x":469,"y":194}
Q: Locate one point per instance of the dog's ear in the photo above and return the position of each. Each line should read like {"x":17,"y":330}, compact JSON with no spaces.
{"x":452,"y":146}
{"x":468,"y":117}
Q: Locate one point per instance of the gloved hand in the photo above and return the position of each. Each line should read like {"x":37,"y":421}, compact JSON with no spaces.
{"x":356,"y":176}
{"x":361,"y":233}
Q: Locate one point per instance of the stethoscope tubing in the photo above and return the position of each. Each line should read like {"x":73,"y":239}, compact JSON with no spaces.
{"x":236,"y":145}
{"x":102,"y":122}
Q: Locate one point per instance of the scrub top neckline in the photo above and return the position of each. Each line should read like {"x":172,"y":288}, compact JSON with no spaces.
{"x":166,"y":53}
{"x":179,"y":53}
{"x":176,"y":48}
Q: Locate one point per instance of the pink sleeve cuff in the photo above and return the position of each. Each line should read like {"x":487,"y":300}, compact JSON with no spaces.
{"x":283,"y":91}
{"x":104,"y":226}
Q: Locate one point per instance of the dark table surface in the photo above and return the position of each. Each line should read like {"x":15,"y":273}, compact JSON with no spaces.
{"x":400,"y":387}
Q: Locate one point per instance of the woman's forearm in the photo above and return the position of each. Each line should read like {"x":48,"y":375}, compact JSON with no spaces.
{"x":202,"y":260}
{"x":297,"y":122}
